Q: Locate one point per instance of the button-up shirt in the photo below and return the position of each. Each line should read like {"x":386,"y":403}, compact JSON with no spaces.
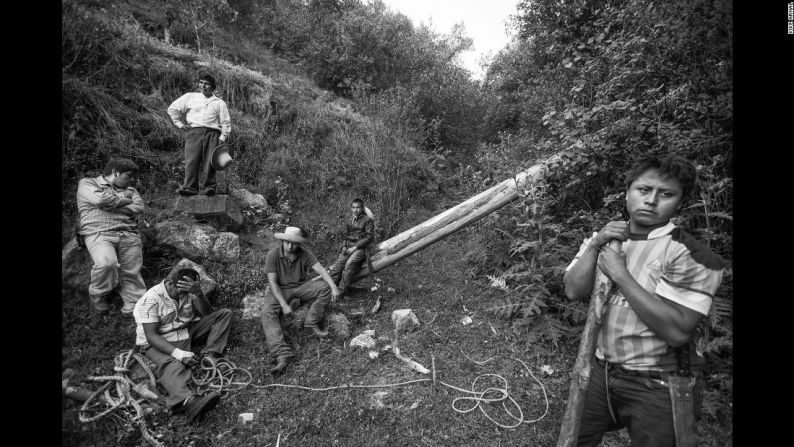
{"x":200,"y":111}
{"x":97,"y":204}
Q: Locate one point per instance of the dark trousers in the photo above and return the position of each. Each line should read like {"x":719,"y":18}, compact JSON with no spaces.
{"x":640,"y":403}
{"x":209,"y":334}
{"x":199,"y":173}
{"x":346,"y":266}
{"x":315,"y":292}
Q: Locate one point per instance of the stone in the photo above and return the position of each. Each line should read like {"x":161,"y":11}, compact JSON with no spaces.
{"x":246,"y":199}
{"x":373,"y":354}
{"x":208,"y":285}
{"x":220,"y":209}
{"x":244,"y":418}
{"x":364,"y":340}
{"x":189,"y":240}
{"x":404,"y":319}
{"x":226,"y":247}
{"x":76,"y":264}
{"x":339,"y":325}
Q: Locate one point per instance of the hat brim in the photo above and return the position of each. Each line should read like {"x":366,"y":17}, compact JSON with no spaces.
{"x":289,"y":237}
{"x":217,"y":163}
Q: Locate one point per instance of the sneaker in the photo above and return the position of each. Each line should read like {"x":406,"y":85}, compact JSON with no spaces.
{"x":317,"y":331}
{"x":208,"y":192}
{"x":197,"y":406}
{"x":100,"y":305}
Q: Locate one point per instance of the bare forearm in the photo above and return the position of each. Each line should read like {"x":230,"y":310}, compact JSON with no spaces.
{"x":161,"y":344}
{"x":580,"y":278}
{"x":201,"y":303}
{"x":274,"y":287}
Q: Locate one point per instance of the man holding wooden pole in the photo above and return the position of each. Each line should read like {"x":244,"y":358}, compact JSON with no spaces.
{"x":663,"y":284}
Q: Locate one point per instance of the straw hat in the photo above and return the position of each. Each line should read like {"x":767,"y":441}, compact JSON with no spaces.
{"x":292,"y":234}
{"x":220,"y":157}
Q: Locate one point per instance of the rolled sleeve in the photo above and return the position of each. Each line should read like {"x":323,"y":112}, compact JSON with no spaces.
{"x":137,"y":202}
{"x":177,"y":109}
{"x":226,"y":121}
{"x":582,"y":249}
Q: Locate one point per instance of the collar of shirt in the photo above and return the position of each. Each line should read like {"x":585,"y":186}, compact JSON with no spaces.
{"x":281,"y":254}
{"x":654,"y":234}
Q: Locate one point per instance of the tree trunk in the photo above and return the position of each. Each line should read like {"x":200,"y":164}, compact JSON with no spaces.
{"x":417,"y":238}
{"x":580,"y":378}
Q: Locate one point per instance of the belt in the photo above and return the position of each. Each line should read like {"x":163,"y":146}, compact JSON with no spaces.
{"x":658,"y":375}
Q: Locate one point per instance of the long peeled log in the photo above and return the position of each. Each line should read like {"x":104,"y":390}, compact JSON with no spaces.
{"x":442,"y":225}
{"x":580,"y":379}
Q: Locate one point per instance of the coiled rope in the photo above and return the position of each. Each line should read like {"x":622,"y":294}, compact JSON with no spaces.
{"x":123,"y":398}
{"x":219,"y":375}
{"x":477,"y":398}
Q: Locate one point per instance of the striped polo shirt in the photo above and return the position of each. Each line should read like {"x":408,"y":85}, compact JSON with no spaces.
{"x":671,"y":264}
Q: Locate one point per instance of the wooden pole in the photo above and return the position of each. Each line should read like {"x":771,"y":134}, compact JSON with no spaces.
{"x":580,"y":379}
{"x":419,"y":237}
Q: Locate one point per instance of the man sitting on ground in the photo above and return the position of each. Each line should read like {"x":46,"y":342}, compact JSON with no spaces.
{"x":108,"y":206}
{"x":170,"y":326}
{"x":359,"y":233}
{"x":286,"y":268}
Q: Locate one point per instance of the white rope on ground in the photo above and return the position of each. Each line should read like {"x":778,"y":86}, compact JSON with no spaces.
{"x":479,"y":397}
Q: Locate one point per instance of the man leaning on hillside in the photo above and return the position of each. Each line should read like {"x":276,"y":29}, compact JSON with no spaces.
{"x":205,"y":124}
{"x":664,"y":282}
{"x":286,"y":267}
{"x":108,"y":207}
{"x":359,"y":233}
{"x":173,"y":319}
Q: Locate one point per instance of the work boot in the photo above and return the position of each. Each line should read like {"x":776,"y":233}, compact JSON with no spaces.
{"x":317,"y":331}
{"x":283,"y":361}
{"x":185,"y":192}
{"x":196,"y":405}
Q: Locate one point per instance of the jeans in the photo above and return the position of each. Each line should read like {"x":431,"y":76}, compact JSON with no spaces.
{"x":346,"y":266}
{"x":212,"y":332}
{"x":641,"y":404}
{"x":199,"y":173}
{"x":118,"y":258}
{"x":315,"y":292}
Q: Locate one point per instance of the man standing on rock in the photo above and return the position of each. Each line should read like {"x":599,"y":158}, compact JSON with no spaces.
{"x":108,"y":208}
{"x":174,"y":318}
{"x":664,"y":282}
{"x":206,"y":124}
{"x":359,"y":233}
{"x":286,"y":268}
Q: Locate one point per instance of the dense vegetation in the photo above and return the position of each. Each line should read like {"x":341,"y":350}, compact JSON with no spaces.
{"x":336,"y":98}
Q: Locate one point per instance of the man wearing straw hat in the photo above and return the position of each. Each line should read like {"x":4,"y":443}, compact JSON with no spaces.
{"x":359,"y":233}
{"x":286,"y":268}
{"x":205,"y":122}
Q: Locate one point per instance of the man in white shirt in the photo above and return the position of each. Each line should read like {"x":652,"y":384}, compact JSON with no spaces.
{"x":205,"y":122}
{"x":174,"y":319}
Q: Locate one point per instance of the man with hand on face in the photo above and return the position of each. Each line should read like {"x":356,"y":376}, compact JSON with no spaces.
{"x":359,"y":233}
{"x":664,"y":282}
{"x":205,"y":122}
{"x":286,"y":268}
{"x":170,"y":326}
{"x":108,"y":207}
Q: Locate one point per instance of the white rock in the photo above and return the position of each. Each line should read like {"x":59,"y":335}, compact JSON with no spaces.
{"x":244,"y":418}
{"x":363,"y":340}
{"x":373,"y":354}
{"x":466,"y":320}
{"x":404,"y":319}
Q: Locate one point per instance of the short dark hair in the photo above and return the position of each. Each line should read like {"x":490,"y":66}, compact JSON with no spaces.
{"x":120,"y":165}
{"x":669,"y":166}
{"x":179,"y":274}
{"x":204,"y":76}
{"x":357,"y":200}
